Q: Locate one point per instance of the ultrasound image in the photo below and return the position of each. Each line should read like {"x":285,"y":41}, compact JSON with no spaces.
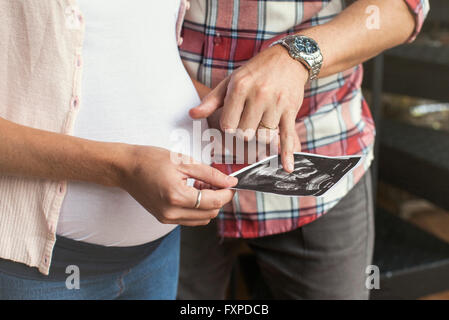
{"x":313,"y":175}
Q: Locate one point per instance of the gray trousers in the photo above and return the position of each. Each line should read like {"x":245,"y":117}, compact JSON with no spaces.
{"x":325,"y":259}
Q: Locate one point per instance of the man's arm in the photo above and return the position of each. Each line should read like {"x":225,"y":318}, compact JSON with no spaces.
{"x":269,"y":88}
{"x":350,"y":39}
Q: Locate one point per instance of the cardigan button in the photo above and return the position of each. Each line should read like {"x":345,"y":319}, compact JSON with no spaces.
{"x":74,"y":103}
{"x":79,"y":61}
{"x":73,"y":18}
{"x":61,"y":188}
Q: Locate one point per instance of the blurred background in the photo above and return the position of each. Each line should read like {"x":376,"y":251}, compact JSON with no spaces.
{"x":407,"y":89}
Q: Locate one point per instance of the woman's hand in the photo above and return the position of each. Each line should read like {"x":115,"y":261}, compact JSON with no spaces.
{"x":267,"y":92}
{"x":159,"y":184}
{"x":151,"y":175}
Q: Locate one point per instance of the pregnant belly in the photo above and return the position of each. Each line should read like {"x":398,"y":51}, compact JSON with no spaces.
{"x":110,"y":216}
{"x":107,"y":216}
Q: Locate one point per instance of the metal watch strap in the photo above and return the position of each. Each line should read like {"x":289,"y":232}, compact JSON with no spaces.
{"x":315,"y":67}
{"x":312,"y":65}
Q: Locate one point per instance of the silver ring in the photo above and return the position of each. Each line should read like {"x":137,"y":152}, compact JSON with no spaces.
{"x":198,"y":200}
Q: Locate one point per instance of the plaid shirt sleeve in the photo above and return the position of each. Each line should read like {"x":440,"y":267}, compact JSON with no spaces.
{"x":334,"y":119}
{"x":420,"y":9}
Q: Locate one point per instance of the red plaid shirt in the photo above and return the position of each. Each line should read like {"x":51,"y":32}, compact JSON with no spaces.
{"x":221,"y":35}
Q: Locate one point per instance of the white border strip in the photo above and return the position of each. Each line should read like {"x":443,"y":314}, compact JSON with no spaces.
{"x":360,"y":157}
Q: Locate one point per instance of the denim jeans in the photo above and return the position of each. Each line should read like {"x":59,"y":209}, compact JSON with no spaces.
{"x":155,"y":277}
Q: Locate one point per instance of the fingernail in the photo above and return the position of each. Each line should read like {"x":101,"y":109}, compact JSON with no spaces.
{"x":229,"y":130}
{"x":192,"y":111}
{"x":232,"y":180}
{"x":290,"y":166}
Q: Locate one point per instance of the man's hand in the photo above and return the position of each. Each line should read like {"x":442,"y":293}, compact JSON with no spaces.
{"x":267,"y":92}
{"x":160,"y":186}
{"x":239,"y":156}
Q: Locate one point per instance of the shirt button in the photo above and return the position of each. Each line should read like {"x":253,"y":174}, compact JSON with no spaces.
{"x":217,"y":40}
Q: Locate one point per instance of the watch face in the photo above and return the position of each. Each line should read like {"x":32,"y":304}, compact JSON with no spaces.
{"x":305,"y":45}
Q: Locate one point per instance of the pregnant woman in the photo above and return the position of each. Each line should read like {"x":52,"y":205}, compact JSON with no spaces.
{"x":90,"y":93}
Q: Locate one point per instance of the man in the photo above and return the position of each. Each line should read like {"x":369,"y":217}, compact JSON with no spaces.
{"x":307,"y":86}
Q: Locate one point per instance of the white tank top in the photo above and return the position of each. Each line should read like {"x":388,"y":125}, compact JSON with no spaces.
{"x":134,"y":90}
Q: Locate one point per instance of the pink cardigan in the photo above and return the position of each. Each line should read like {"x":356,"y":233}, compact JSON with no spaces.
{"x":40,"y":74}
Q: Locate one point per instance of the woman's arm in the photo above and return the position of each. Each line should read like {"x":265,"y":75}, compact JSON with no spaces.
{"x":36,"y":153}
{"x":146,"y":173}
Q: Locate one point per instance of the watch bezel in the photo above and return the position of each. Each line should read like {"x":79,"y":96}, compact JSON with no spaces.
{"x":298,"y":54}
{"x":312,"y":61}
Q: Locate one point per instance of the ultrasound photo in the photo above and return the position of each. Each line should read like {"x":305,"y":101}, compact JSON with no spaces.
{"x":313,"y":175}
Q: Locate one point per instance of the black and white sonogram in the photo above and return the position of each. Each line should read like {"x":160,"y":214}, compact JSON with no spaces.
{"x":313,"y":175}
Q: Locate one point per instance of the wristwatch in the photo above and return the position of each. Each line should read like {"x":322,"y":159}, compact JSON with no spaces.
{"x":304,"y":50}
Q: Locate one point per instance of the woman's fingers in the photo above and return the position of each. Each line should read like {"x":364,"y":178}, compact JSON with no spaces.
{"x":181,"y":208}
{"x":188,"y":217}
{"x":200,"y":185}
{"x":176,"y":215}
{"x":208,"y":175}
{"x":185,"y":196}
{"x":210,"y":199}
{"x":193,"y":223}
